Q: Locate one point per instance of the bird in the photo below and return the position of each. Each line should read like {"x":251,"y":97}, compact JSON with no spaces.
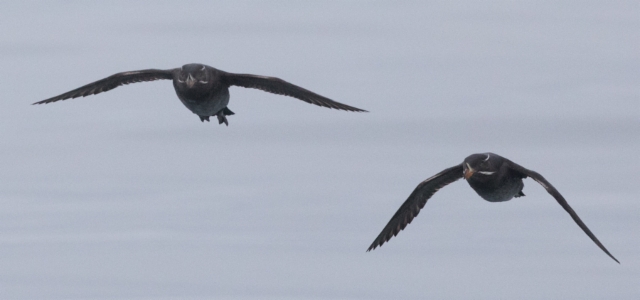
{"x":493,"y":177}
{"x":203,"y":89}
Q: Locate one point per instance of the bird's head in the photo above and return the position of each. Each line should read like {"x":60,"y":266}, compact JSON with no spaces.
{"x":194,"y":76}
{"x":480,"y":165}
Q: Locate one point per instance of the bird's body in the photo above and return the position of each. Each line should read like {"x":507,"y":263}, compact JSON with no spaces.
{"x":501,"y":186}
{"x":206,"y":96}
{"x":494,"y":178}
{"x":210,"y":105}
{"x":203,"y":89}
{"x":504,"y":190}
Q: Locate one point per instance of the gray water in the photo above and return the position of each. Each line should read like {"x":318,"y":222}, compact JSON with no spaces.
{"x":127,"y":195}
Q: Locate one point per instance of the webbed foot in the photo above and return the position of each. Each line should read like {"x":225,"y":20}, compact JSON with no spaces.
{"x":222,"y":116}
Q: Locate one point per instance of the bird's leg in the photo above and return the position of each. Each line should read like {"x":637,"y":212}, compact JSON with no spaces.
{"x":222,"y":118}
{"x":222,"y":115}
{"x":204,"y":118}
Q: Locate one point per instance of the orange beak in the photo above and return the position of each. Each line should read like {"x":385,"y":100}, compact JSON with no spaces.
{"x":190,"y":81}
{"x":468,"y":172}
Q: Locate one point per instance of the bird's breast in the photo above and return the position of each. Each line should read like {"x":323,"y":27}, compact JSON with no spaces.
{"x":205,"y":104}
{"x":497,"y":190}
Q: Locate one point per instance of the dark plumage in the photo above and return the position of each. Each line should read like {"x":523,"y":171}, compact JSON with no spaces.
{"x":493,"y":177}
{"x":204,"y":90}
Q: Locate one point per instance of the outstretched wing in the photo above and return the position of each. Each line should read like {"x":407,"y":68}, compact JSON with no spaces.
{"x":281,"y":87}
{"x":112,"y":82}
{"x":416,"y":201}
{"x":552,"y":190}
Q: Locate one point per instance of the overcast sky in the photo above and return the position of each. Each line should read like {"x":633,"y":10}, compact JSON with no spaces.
{"x":127,"y":195}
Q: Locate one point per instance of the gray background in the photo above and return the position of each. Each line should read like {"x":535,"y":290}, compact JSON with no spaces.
{"x":127,"y":195}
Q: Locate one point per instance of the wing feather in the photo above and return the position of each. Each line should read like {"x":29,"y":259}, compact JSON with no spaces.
{"x":278,"y":86}
{"x":552,"y":190}
{"x":416,"y":201}
{"x":112,"y":82}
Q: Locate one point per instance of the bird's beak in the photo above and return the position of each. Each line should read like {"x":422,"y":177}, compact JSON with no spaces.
{"x":190,"y":81}
{"x":468,"y":172}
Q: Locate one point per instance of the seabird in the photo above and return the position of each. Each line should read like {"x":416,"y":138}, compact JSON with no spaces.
{"x":203,"y":89}
{"x":493,"y":177}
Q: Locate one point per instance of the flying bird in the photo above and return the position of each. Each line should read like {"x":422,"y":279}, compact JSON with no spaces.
{"x":493,"y":177}
{"x":203,"y":89}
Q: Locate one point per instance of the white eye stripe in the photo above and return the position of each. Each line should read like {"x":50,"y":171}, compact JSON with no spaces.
{"x":202,"y":81}
{"x":488,"y":155}
{"x":485,"y":172}
{"x":202,"y":68}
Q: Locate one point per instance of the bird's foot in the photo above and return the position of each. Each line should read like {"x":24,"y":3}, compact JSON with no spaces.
{"x":222,"y":118}
{"x":204,"y":118}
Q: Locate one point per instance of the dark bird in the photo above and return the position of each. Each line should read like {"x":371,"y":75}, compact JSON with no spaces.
{"x":204,"y":90}
{"x":493,"y":177}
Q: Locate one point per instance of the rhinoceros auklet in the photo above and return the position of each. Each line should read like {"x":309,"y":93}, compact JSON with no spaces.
{"x":203,"y":89}
{"x":493,"y":177}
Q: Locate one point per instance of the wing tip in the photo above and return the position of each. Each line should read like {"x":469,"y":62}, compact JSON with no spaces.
{"x":40,"y":102}
{"x":616,"y":260}
{"x":613,"y":257}
{"x":350,"y":108}
{"x":373,"y":246}
{"x":356,"y":110}
{"x":336,"y":105}
{"x":377,"y":243}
